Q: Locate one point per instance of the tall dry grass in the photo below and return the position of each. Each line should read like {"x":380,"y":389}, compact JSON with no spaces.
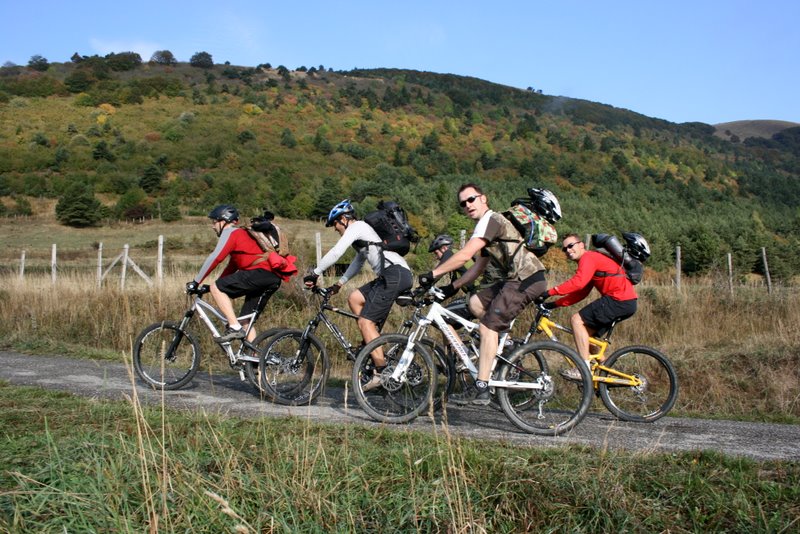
{"x":735,"y":355}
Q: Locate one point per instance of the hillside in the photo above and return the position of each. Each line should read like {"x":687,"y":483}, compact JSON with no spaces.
{"x":740,"y":130}
{"x":164,"y":141}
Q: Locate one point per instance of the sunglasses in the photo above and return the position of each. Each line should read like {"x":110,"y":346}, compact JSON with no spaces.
{"x":569,"y":247}
{"x":469,"y":200}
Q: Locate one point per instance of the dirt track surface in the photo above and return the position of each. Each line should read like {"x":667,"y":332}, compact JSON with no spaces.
{"x":227,"y":395}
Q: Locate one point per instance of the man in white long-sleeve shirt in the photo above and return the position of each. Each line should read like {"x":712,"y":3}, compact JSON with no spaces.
{"x":372,"y":301}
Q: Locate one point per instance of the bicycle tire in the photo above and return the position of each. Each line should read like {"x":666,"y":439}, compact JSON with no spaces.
{"x":294,"y":369}
{"x":645,"y":403}
{"x":251,"y":368}
{"x":395,"y":401}
{"x":562,"y":403}
{"x":166,"y":357}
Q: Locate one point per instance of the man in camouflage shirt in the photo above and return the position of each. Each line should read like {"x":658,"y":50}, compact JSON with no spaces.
{"x":520,"y":278}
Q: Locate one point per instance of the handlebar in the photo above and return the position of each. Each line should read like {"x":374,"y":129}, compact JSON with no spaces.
{"x":200,"y":290}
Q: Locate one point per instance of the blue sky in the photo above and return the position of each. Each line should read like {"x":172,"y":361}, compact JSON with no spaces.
{"x":703,"y":60}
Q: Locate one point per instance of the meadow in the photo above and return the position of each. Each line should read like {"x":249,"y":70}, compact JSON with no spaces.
{"x":76,"y":465}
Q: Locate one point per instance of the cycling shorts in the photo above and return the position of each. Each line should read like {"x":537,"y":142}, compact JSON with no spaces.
{"x":380,"y":294}
{"x":251,"y":285}
{"x":605,"y":310}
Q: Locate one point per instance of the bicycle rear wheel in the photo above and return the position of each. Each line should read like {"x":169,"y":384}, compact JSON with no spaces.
{"x":395,"y":401}
{"x":251,"y":368}
{"x":165,"y":356}
{"x":555,"y":404}
{"x":650,"y":400}
{"x":294,"y":368}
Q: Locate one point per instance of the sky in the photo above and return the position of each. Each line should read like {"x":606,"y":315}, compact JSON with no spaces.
{"x":709,"y":61}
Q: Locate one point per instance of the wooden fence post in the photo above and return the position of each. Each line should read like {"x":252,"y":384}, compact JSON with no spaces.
{"x":124,"y":266}
{"x":53,"y":264}
{"x":766,"y":269}
{"x":100,"y":265}
{"x":730,"y":272}
{"x":22,"y":266}
{"x":160,"y":260}
{"x":678,"y":267}
{"x":318,"y":243}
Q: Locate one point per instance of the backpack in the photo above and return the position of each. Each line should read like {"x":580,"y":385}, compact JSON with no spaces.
{"x":537,"y":233}
{"x":391,"y":224}
{"x":633,"y":268}
{"x":268,"y":235}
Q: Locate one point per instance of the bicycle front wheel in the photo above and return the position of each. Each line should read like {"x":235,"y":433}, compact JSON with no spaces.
{"x":655,"y":392}
{"x":294,"y":368}
{"x":251,"y":368}
{"x":540,"y":399}
{"x":165,"y":356}
{"x":445,"y":372}
{"x":394,"y":401}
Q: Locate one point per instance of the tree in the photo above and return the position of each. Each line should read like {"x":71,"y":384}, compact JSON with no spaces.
{"x":78,"y":206}
{"x":287,"y":138}
{"x":151,"y":178}
{"x":38,"y":63}
{"x":163,"y":57}
{"x":123,"y":61}
{"x":202,"y":60}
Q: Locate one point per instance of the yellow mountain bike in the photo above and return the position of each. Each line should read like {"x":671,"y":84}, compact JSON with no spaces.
{"x":636,"y":383}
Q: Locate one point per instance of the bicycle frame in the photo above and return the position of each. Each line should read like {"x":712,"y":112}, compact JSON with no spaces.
{"x":337,"y":333}
{"x":547,"y":326}
{"x":436,"y":315}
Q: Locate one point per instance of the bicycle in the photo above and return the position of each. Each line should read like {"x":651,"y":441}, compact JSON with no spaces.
{"x":532,"y":393}
{"x":636,"y":383}
{"x":166,"y":355}
{"x":296,"y":362}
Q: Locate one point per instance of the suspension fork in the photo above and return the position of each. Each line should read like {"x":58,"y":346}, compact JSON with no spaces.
{"x":408,"y":352}
{"x":170,"y":354}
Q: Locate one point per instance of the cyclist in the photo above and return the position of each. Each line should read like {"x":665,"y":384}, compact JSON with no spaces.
{"x":518,"y":280}
{"x":246,"y":275}
{"x":618,"y":297}
{"x":372,"y":301}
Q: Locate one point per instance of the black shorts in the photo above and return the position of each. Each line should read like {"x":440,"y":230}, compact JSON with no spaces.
{"x":604,"y":311}
{"x":251,"y":285}
{"x":380,"y":294}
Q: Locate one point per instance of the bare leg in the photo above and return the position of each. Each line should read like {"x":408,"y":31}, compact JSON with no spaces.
{"x":225,"y":305}
{"x":581,"y":334}
{"x":489,"y":342}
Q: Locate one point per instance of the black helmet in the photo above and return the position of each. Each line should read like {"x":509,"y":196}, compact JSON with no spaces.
{"x":439,"y":241}
{"x":636,"y":245}
{"x":342,"y":208}
{"x":224,"y":212}
{"x":545,"y":204}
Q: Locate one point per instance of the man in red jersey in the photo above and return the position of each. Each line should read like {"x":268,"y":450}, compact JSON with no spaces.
{"x":246,"y":275}
{"x":595,"y":270}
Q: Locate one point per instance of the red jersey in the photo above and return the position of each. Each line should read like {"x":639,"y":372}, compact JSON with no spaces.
{"x":242,"y":249}
{"x":580,"y":285}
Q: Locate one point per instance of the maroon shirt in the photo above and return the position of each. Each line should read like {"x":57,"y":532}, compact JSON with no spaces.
{"x":586,"y":278}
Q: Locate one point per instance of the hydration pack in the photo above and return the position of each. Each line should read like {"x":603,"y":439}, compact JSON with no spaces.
{"x":267,"y":234}
{"x":633,"y":268}
{"x":391,"y":224}
{"x":537,"y":233}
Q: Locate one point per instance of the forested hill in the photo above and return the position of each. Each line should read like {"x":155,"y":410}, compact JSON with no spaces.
{"x":115,"y":137}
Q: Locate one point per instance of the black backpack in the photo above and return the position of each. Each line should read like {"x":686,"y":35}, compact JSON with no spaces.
{"x":633,"y":268}
{"x":391,"y":224}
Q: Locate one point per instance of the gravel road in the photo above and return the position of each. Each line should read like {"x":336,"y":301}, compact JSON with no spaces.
{"x":227,"y":395}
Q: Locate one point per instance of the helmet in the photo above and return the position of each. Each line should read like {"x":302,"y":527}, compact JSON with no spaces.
{"x":637,"y":245}
{"x":224,"y":212}
{"x":439,"y":241}
{"x":545,"y":204}
{"x":342,"y":208}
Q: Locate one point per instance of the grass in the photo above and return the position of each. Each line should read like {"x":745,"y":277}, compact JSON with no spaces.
{"x":77,"y":465}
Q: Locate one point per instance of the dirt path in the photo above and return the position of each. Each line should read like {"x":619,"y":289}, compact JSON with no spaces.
{"x":228,"y":396}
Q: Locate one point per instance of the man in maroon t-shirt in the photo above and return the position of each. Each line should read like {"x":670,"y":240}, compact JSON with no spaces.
{"x":595,"y":270}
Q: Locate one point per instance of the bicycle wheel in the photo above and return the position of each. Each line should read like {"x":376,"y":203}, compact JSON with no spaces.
{"x":395,"y":401}
{"x":294,"y":368}
{"x":165,"y":356}
{"x":251,"y":368}
{"x":555,"y":404}
{"x":650,"y":400}
{"x":445,"y":369}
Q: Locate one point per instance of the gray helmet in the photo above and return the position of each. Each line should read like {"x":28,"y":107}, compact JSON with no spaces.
{"x":342,"y":208}
{"x":224,"y":212}
{"x":636,"y":245}
{"x":439,"y":241}
{"x":545,"y":204}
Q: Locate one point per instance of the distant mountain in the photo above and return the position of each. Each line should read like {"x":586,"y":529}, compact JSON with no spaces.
{"x":737,"y":131}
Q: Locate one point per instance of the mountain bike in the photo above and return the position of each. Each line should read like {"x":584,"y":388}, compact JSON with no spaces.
{"x":526,"y":381}
{"x":296,"y":363}
{"x":636,"y":383}
{"x":166,"y":355}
